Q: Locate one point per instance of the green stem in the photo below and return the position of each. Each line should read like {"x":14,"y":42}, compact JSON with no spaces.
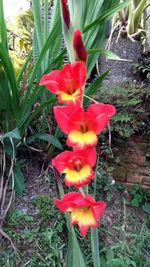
{"x":59,"y":183}
{"x":94,"y":232}
{"x":95,"y":179}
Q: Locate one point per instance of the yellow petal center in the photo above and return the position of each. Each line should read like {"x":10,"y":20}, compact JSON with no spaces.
{"x":83,"y":216}
{"x":73,"y":176}
{"x":69,"y":96}
{"x":82,"y":139}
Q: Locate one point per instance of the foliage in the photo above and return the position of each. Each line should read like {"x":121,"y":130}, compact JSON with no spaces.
{"x":41,"y":234}
{"x":20,"y":33}
{"x":40,"y":237}
{"x":91,"y":24}
{"x":18,"y":95}
{"x":140,"y":197}
{"x":129,"y":102}
{"x":136,"y":13}
{"x":131,"y":20}
{"x":143,"y":68}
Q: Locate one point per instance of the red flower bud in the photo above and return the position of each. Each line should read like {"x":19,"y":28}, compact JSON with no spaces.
{"x":65,"y":13}
{"x":79,"y":47}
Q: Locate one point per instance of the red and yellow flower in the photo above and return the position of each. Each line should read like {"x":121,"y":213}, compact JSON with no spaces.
{"x":77,"y":166}
{"x":84,"y":211}
{"x":67,"y":83}
{"x":82,"y":127}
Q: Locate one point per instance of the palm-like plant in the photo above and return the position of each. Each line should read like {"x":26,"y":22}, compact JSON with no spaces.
{"x":132,"y":19}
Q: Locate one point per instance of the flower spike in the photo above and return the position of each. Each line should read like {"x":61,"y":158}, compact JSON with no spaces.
{"x":66,"y":83}
{"x":84,"y":211}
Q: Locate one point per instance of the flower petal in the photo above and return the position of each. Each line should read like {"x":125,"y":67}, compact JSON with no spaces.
{"x":84,"y":218}
{"x":81,"y":140}
{"x":80,"y":178}
{"x":60,"y":162}
{"x":90,"y":155}
{"x":67,"y":201}
{"x":101,"y":114}
{"x":98,"y":209}
{"x":66,"y":98}
{"x":51,"y":81}
{"x":79,"y":72}
{"x":62,"y":115}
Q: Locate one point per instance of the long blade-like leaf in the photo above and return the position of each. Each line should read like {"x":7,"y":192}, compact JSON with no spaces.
{"x":10,"y":74}
{"x":106,"y":15}
{"x":3,"y":31}
{"x":95,"y":85}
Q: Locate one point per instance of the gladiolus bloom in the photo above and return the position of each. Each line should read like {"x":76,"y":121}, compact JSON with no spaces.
{"x":79,"y":47}
{"x":85,"y":211}
{"x":66,"y":83}
{"x":77,"y":165}
{"x":65,"y":13}
{"x":83,"y":127}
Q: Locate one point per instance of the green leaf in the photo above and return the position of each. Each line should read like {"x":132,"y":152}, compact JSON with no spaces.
{"x":45,"y":137}
{"x":3,"y":30}
{"x":74,"y":254}
{"x":106,"y":15}
{"x":12,"y":89}
{"x":26,"y":119}
{"x":92,"y":89}
{"x":24,"y":67}
{"x":13,"y":134}
{"x":135,"y":202}
{"x":146,"y":208}
{"x":109,"y":255}
{"x":38,"y":24}
{"x":19,"y":180}
{"x":117,"y":263}
{"x":95,"y":247}
{"x":8,"y":147}
{"x":108,"y":54}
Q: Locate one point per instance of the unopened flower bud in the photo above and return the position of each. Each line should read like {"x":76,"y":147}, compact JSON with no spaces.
{"x":79,"y":47}
{"x":65,"y":13}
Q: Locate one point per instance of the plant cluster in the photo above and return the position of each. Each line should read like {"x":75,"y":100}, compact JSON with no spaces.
{"x":131,"y":20}
{"x":41,"y":239}
{"x":131,"y":111}
{"x":143,"y":69}
{"x":21,"y":95}
{"x":82,"y":126}
{"x":140,"y":197}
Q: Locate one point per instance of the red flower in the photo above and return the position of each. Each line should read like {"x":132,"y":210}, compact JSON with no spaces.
{"x":84,"y":211}
{"x":66,"y":83}
{"x":65,"y":13}
{"x":79,"y":47}
{"x":83,"y":127}
{"x":77,"y":165}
